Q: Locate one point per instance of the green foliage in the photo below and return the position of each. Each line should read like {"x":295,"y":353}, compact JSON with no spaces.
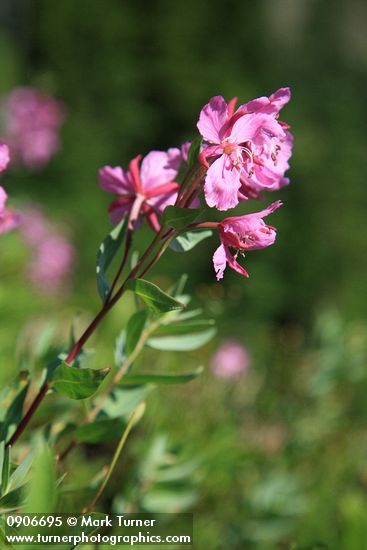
{"x":77,"y":383}
{"x":105,"y":429}
{"x":142,"y":379}
{"x":179,"y":218}
{"x":187,"y":241}
{"x":153,"y":296}
{"x":134,"y":329}
{"x":106,"y":253}
{"x":12,"y":405}
{"x":194,"y":150}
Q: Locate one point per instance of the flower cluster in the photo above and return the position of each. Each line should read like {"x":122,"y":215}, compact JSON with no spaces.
{"x":245,"y":152}
{"x":230,"y":360}
{"x":8,"y":217}
{"x":32,"y":123}
{"x":53,"y":256}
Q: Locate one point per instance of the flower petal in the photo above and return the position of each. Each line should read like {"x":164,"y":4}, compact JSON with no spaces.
{"x":115,"y":180}
{"x":220,"y":261}
{"x":222,"y":184}
{"x":247,"y":126}
{"x":213,"y":119}
{"x":159,"y":167}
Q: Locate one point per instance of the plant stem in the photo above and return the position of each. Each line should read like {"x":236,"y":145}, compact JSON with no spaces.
{"x":84,"y":337}
{"x":138,"y":411}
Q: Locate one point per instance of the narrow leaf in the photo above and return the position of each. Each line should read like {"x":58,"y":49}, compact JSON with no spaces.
{"x":153,"y":296}
{"x":176,"y":327}
{"x":182,"y":342}
{"x":189,"y":240}
{"x":5,"y":470}
{"x":194,"y":150}
{"x":14,"y":414}
{"x":106,"y":253}
{"x":179,"y":218}
{"x":77,"y":383}
{"x":135,"y":327}
{"x":140,"y":379}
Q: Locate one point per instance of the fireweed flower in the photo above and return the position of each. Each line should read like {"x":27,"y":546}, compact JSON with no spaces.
{"x":242,"y":233}
{"x":248,"y":149}
{"x":230,"y":360}
{"x":53,"y":256}
{"x":4,"y":156}
{"x":8,"y":218}
{"x":32,"y":124}
{"x":144,"y":190}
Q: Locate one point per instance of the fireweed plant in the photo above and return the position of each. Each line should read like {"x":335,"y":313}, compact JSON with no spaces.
{"x":241,"y":153}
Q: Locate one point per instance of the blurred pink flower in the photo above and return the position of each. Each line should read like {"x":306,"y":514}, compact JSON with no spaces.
{"x":242,"y":233}
{"x":32,"y":124}
{"x":143,"y":190}
{"x":248,"y":148}
{"x":230,"y":360}
{"x":4,"y":156}
{"x":9,"y":219}
{"x":53,"y":256}
{"x":51,"y":265}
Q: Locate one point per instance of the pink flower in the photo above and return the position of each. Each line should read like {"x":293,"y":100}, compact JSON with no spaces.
{"x":143,"y":190}
{"x":248,"y":148}
{"x":230,"y":360}
{"x":32,"y":126}
{"x":8,"y":218}
{"x":51,"y":265}
{"x":53,"y":256}
{"x":4,"y":156}
{"x":242,"y":233}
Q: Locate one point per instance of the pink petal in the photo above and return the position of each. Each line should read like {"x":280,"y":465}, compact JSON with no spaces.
{"x":247,"y":126}
{"x":213,"y":119}
{"x":115,"y":180}
{"x":233,"y":264}
{"x":268,"y":105}
{"x":222,"y":184}
{"x":219,"y":261}
{"x":3,"y":197}
{"x":4,"y":156}
{"x":159,"y":167}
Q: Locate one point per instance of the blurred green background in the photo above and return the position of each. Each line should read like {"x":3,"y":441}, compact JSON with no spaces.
{"x":283,"y":450}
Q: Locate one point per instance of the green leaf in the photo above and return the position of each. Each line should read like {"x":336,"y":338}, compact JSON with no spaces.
{"x":12,"y":500}
{"x":176,"y":327}
{"x":153,"y":296}
{"x":14,"y":414}
{"x":189,"y":240}
{"x":134,"y":329}
{"x":140,"y":379}
{"x":194,"y":150}
{"x":100,"y":430}
{"x":19,"y":475}
{"x":122,"y":401}
{"x":41,"y":497}
{"x":182,"y":342}
{"x":106,"y":253}
{"x":179,"y":218}
{"x":77,"y":383}
{"x":5,"y":470}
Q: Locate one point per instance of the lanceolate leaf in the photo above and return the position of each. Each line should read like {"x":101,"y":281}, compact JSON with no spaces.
{"x":135,"y":327}
{"x":189,"y":240}
{"x":181,"y":342}
{"x":194,"y":150}
{"x":13,"y":414}
{"x":176,"y":327}
{"x":106,"y":253}
{"x":77,"y":383}
{"x":140,"y":379}
{"x":153,"y":296}
{"x":100,"y":430}
{"x":179,"y":218}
